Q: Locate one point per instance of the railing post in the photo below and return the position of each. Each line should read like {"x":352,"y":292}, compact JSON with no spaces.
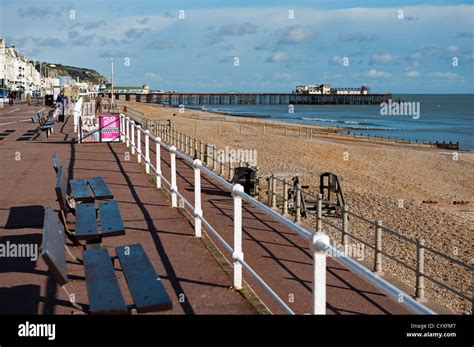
{"x":197,"y":198}
{"x":174,"y":188}
{"x":139,"y":143}
{"x":378,"y":248}
{"x":238,"y":254}
{"x":318,"y":244}
{"x":298,"y":203}
{"x":133,"y":137}
{"x":285,"y":198}
{"x":221,"y":165}
{"x":345,"y":224}
{"x":147,"y":151}
{"x":319,"y":222}
{"x":127,"y":129}
{"x":420,"y":269}
{"x":158,"y":163}
{"x":122,"y":128}
{"x":214,"y":159}
{"x":269,"y":191}
{"x":274,"y":195}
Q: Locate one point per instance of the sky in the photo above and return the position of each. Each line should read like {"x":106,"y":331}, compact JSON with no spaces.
{"x":254,"y":46}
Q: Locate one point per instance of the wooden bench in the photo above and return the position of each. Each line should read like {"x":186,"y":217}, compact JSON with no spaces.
{"x":46,"y":123}
{"x":37,"y":117}
{"x":103,"y":290}
{"x":91,"y":224}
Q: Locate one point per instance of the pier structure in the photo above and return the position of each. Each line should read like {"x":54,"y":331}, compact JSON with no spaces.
{"x":251,"y":98}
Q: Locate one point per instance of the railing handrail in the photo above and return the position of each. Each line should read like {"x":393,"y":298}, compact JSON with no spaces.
{"x":385,"y":286}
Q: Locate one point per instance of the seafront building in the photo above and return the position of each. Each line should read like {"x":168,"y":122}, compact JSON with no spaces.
{"x":16,"y":72}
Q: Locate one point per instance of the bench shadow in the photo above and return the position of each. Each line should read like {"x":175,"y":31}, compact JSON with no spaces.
{"x":21,"y":217}
{"x":171,"y":274}
{"x":22,"y":299}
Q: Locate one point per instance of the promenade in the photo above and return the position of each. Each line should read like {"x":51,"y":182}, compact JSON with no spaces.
{"x":196,"y":283}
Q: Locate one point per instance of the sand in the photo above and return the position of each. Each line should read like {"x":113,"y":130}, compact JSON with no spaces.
{"x":382,"y":180}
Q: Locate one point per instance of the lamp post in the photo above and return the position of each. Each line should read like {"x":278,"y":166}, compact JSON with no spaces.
{"x":112,"y":68}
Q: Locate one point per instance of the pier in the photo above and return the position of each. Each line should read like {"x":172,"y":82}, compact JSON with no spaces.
{"x":251,"y":98}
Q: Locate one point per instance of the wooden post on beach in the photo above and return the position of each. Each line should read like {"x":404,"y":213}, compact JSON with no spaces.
{"x":264,"y":130}
{"x":257,"y":177}
{"x":230,"y":169}
{"x":195,"y":147}
{"x":201,"y":150}
{"x":240,"y":129}
{"x":195,"y":128}
{"x":420,"y":269}
{"x":319,"y":222}
{"x":345,"y":224}
{"x":286,"y":131}
{"x":378,"y":248}
{"x":274,"y":196}
{"x":285,"y":198}
{"x":297,"y":190}
{"x":269,"y":193}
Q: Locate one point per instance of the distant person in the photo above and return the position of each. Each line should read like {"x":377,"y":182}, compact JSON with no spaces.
{"x":98,"y":104}
{"x":29,"y":98}
{"x":10,"y":98}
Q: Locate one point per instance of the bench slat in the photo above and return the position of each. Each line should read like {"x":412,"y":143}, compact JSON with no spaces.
{"x":61,"y":189}
{"x":103,"y":289}
{"x":80,"y":191}
{"x":86,"y":222}
{"x":145,"y":285}
{"x":53,"y":251}
{"x":100,"y":188}
{"x":110,"y":218}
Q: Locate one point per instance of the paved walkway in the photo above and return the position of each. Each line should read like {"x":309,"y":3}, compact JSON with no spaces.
{"x":279,"y":255}
{"x":194,"y":280}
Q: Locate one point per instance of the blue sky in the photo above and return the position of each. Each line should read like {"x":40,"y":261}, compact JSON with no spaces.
{"x":151,"y":44}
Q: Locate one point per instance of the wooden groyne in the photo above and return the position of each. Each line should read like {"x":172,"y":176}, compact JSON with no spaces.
{"x":251,"y":98}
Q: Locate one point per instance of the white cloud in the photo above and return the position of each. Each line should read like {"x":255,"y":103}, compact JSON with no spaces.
{"x":295,"y":34}
{"x":153,"y":76}
{"x":378,"y":74}
{"x":445,"y":75}
{"x":284,"y":76}
{"x":278,"y":57}
{"x":412,"y":74}
{"x":337,"y":60}
{"x":384,"y":59}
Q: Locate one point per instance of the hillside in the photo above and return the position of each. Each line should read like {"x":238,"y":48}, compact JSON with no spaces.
{"x":85,"y":75}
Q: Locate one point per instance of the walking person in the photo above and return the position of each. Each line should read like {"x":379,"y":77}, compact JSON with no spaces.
{"x":10,"y":98}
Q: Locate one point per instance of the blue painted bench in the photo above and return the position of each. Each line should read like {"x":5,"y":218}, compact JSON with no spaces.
{"x":91,"y":224}
{"x":103,"y":290}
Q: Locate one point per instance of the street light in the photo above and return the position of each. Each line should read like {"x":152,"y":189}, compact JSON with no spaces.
{"x":112,"y":68}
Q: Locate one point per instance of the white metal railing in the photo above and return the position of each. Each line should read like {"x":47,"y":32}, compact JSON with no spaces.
{"x":319,"y":244}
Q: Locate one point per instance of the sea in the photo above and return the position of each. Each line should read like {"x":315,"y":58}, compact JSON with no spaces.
{"x":447,"y":117}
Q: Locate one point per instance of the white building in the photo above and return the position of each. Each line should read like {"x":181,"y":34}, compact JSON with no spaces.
{"x":325,"y":89}
{"x":314,"y":89}
{"x":16,"y":72}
